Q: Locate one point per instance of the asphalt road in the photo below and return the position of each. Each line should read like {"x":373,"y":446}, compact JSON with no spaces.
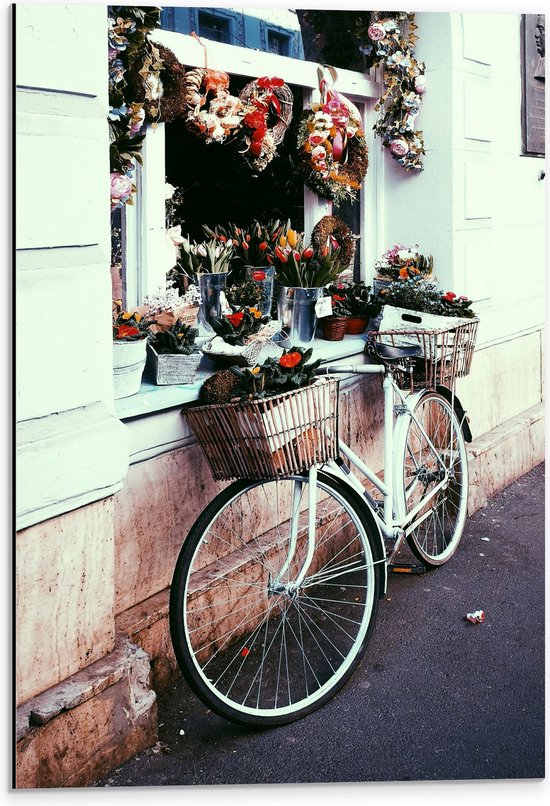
{"x":435,"y":699}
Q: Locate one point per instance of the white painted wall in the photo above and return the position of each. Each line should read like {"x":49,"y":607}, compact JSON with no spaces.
{"x":63,"y":287}
{"x":478,"y":206}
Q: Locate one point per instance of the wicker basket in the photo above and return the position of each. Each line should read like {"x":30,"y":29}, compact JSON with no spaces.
{"x":446,"y":354}
{"x":259,"y":439}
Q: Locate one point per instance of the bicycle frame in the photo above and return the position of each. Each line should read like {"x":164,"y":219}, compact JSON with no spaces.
{"x":393,"y":522}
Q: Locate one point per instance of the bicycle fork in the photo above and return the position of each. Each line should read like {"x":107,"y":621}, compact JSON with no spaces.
{"x":291,"y":588}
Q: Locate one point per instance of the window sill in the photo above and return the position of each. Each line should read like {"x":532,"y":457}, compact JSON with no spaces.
{"x":152,"y":399}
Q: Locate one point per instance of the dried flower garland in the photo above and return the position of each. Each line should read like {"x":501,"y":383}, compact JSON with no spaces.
{"x":332,"y":149}
{"x":331,"y":231}
{"x":391,"y":40}
{"x":269,"y":112}
{"x":129,"y":53}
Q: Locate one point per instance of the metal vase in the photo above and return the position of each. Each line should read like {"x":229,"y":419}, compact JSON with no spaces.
{"x":297,"y":317}
{"x":213,"y":302}
{"x":266,"y":284}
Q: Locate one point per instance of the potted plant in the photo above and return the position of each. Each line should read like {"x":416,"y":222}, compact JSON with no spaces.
{"x":210,"y":261}
{"x":401,"y":263}
{"x":334,"y":327}
{"x":173,"y":355}
{"x":252,"y":246}
{"x":301,"y":273}
{"x":130,"y":331}
{"x":358,"y":301}
{"x":414,"y":306}
{"x":239,"y":337}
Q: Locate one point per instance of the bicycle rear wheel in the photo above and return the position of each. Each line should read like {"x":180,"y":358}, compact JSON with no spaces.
{"x":433,"y":470}
{"x":254,"y":647}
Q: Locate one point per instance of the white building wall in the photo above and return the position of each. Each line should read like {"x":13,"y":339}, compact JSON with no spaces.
{"x":63,"y":292}
{"x":478,"y":206}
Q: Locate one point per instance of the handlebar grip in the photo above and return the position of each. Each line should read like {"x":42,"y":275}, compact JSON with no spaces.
{"x":350,"y":369}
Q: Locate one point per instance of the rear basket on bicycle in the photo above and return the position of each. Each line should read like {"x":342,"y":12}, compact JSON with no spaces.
{"x":276,"y":436}
{"x":446,"y":353}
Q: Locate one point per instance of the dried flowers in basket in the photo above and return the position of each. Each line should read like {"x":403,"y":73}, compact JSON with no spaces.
{"x":173,"y":355}
{"x":443,"y":324}
{"x":167,"y":305}
{"x":270,"y":420}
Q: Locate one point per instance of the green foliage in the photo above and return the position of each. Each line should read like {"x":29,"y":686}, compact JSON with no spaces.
{"x":178,"y":339}
{"x":424,"y":297}
{"x":358,"y":299}
{"x":245,"y":294}
{"x":276,"y":375}
{"x":130,"y":326}
{"x":236,"y":328}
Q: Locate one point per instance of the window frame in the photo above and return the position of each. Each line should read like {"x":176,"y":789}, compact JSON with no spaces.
{"x":144,"y":222}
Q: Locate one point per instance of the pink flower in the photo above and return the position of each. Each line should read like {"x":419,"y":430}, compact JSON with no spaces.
{"x":399,"y":147}
{"x":420,"y":84}
{"x":338,"y":112}
{"x":376,"y":32}
{"x":121,"y":188}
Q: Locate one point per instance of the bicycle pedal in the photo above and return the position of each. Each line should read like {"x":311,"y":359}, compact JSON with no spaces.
{"x":406,"y":568}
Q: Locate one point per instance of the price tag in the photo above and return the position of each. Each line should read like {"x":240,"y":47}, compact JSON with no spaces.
{"x":323,"y":307}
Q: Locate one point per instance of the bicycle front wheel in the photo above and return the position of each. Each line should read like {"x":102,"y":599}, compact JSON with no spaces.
{"x":255,"y":646}
{"x":432,"y":480}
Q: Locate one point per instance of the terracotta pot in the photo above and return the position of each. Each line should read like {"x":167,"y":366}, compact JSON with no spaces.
{"x":357,"y":324}
{"x":334,"y":327}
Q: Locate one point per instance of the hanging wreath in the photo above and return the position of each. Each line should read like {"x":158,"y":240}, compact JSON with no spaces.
{"x":391,"y":40}
{"x":216,"y":117}
{"x":332,"y":150}
{"x":268,"y":102}
{"x":330,"y":231}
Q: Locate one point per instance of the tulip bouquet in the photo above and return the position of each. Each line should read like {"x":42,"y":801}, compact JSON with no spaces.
{"x":299,"y":266}
{"x":251,"y":244}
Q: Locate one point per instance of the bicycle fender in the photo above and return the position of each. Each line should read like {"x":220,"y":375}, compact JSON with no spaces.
{"x":459,"y":411}
{"x":367,"y":517}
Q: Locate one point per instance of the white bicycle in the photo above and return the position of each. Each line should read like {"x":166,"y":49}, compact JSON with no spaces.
{"x":276,"y":588}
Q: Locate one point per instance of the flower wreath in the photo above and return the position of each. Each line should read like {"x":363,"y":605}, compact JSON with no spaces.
{"x":269,"y":112}
{"x":391,"y":40}
{"x":224,"y":113}
{"x":331,"y":231}
{"x":332,"y":149}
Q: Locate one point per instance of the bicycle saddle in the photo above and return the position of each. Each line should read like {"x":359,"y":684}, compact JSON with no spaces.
{"x":390,"y":352}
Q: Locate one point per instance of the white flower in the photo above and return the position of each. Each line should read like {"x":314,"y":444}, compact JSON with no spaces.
{"x":169,"y":191}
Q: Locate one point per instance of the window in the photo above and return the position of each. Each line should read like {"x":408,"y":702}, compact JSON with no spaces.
{"x":213,"y":27}
{"x":278,"y":43}
{"x":219,"y":194}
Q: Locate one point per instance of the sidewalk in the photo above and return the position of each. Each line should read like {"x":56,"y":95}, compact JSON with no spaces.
{"x":436,"y":698}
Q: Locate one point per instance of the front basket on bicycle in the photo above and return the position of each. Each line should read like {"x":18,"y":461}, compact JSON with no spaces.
{"x":446,"y":353}
{"x":276,"y":436}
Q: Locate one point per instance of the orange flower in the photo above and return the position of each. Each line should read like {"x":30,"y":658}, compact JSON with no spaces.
{"x":404,"y":273}
{"x":255,"y":313}
{"x":290,"y":360}
{"x":292,"y":238}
